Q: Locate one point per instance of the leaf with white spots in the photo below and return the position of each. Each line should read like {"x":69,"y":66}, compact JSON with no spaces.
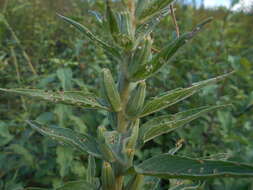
{"x":152,"y":8}
{"x":82,"y":142}
{"x":168,"y":123}
{"x":172,"y":97}
{"x":167,"y":166}
{"x":76,"y":185}
{"x":108,"y":48}
{"x":160,"y":59}
{"x":74,"y":98}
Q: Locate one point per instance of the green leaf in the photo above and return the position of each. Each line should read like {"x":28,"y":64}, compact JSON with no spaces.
{"x":65,"y":76}
{"x":112,"y":21}
{"x":146,"y":27}
{"x":154,"y":7}
{"x":74,"y":98}
{"x":82,"y":142}
{"x":5,"y":135}
{"x":162,"y":58}
{"x":168,"y":166}
{"x":64,"y":159}
{"x":28,"y":158}
{"x":169,"y":123}
{"x":186,"y":186}
{"x":77,"y":185}
{"x":91,"y":36}
{"x":151,"y":183}
{"x":172,"y":97}
{"x":35,"y":188}
{"x":114,"y":141}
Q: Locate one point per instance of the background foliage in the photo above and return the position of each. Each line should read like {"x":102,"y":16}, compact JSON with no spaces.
{"x":40,"y":51}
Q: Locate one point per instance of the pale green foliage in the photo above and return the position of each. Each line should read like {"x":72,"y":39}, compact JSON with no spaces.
{"x":130,"y":46}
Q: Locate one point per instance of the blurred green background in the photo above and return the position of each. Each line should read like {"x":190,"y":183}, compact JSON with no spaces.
{"x":38,"y":50}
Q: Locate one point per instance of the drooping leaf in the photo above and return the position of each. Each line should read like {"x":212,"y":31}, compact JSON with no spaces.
{"x":74,"y":98}
{"x":91,"y":36}
{"x":77,"y":185}
{"x":81,"y":142}
{"x":171,"y":97}
{"x":162,"y":58}
{"x":169,"y":123}
{"x":168,"y":166}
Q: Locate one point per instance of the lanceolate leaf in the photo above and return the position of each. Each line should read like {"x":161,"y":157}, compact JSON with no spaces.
{"x":162,"y":58}
{"x":36,"y":188}
{"x":145,"y":28}
{"x":168,"y":166}
{"x":154,"y":7}
{"x":82,"y":142}
{"x":74,"y":98}
{"x":174,"y":96}
{"x":169,"y":123}
{"x":76,"y":185}
{"x":112,"y":21}
{"x":185,"y":186}
{"x":91,"y":36}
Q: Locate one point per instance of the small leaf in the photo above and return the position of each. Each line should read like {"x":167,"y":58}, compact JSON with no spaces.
{"x":82,"y":142}
{"x":76,"y":185}
{"x":172,"y":97}
{"x":169,"y":123}
{"x":74,"y":98}
{"x":167,"y":166}
{"x":91,"y":36}
{"x":162,"y":58}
